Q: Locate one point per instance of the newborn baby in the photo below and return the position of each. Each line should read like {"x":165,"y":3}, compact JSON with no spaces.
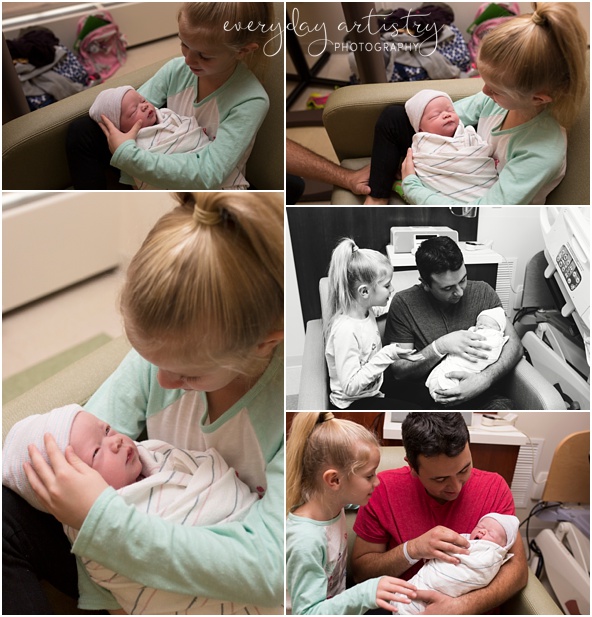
{"x":182,"y":486}
{"x":491,"y":323}
{"x":490,"y":542}
{"x":448,"y":157}
{"x":163,"y":130}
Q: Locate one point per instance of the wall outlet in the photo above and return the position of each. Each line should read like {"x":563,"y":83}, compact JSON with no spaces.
{"x":539,"y":486}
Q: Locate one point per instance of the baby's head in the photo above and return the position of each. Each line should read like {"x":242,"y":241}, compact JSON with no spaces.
{"x":124,"y":107}
{"x":494,"y":318}
{"x":501,"y":529}
{"x":113,"y":455}
{"x":432,"y":111}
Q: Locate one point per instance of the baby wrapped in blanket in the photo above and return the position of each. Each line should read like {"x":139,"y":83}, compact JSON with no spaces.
{"x":163,"y":130}
{"x":448,"y":157}
{"x":491,"y":323}
{"x":490,"y":542}
{"x":185,"y":487}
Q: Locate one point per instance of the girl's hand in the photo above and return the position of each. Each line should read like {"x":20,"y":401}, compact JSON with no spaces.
{"x":400,"y":353}
{"x":407,"y":168}
{"x":392,"y":589}
{"x":114,"y":136}
{"x":67,"y":487}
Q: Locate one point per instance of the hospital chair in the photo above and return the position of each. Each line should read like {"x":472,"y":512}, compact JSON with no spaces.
{"x":532,"y":600}
{"x":565,"y":550}
{"x":34,"y":145}
{"x":524,"y":385}
{"x":351,"y":114}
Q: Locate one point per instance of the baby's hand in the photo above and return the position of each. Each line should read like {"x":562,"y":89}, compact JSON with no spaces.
{"x":392,"y":590}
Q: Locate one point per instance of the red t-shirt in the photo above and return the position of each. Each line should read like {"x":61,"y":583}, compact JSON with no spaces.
{"x":400,"y":509}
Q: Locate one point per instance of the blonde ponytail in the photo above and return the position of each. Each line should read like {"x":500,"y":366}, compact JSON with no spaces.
{"x":209,"y":277}
{"x":541,"y":52}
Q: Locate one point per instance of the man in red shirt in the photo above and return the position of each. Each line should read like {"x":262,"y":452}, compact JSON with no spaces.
{"x":418,"y":512}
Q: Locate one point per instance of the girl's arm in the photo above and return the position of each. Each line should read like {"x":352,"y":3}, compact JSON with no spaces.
{"x":238,"y":561}
{"x":206,"y":169}
{"x":307,"y":584}
{"x":354,"y":377}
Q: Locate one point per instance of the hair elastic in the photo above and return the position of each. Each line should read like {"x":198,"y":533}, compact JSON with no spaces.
{"x":326,"y":416}
{"x":207,"y":217}
{"x":354,"y":249}
{"x":538,"y":20}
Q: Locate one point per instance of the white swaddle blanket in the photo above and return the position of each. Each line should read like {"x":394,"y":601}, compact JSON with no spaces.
{"x":460,"y":166}
{"x":175,"y":134}
{"x":437,"y":379}
{"x":189,"y":488}
{"x":475,"y":570}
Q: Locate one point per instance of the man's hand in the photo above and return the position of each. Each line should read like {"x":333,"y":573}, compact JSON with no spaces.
{"x":470,"y":385}
{"x":357,"y":181}
{"x":114,"y":136}
{"x":464,"y":343}
{"x":437,"y":543}
{"x":67,"y":487}
{"x":438,"y":603}
{"x":408,"y":168}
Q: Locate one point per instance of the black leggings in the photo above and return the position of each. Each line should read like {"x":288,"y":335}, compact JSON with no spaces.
{"x":89,"y":157}
{"x":393,"y":135}
{"x":374,"y":402}
{"x":34,"y":547}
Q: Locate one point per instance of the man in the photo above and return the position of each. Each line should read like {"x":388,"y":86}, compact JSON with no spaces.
{"x":434,"y":317}
{"x":301,"y":161}
{"x":418,"y":512}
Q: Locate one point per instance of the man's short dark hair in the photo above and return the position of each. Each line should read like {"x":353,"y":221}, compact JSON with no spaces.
{"x":432,"y":434}
{"x":437,"y":255}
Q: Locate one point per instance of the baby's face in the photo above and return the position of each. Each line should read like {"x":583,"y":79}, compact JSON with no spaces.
{"x":439,"y":117}
{"x":484,"y":321}
{"x":489,"y":529}
{"x":135,"y":107}
{"x":113,"y":455}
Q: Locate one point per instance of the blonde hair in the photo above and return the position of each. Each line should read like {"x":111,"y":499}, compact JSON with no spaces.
{"x":237,"y":24}
{"x":316,"y":442}
{"x":541,"y":52}
{"x":209,"y":278}
{"x":350,"y":267}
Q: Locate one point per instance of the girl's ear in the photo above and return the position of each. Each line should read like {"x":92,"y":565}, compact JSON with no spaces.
{"x":331,"y":479}
{"x":271,"y":341}
{"x":541,"y":98}
{"x":363,"y":290}
{"x":247,"y":49}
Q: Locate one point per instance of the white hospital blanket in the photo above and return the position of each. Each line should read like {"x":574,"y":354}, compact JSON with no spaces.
{"x":460,"y":166}
{"x":437,"y":379}
{"x":475,"y":570}
{"x":188,"y":488}
{"x":175,"y":134}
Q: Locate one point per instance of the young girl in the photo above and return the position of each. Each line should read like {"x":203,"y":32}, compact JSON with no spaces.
{"x":212,"y":82}
{"x":330,"y":463}
{"x":359,"y":279}
{"x":534,"y":71}
{"x":203,"y":307}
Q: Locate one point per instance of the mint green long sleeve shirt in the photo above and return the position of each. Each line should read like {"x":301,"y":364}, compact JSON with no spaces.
{"x":230,"y":117}
{"x":531,"y":157}
{"x":235,"y":562}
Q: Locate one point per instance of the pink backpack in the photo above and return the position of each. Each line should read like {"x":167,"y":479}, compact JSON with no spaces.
{"x":489,"y":15}
{"x":101,"y":48}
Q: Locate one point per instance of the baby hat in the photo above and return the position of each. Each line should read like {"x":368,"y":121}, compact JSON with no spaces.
{"x":510,"y":524}
{"x":108,"y":103}
{"x":497,"y":314}
{"x":416,"y":104}
{"x":31,"y":430}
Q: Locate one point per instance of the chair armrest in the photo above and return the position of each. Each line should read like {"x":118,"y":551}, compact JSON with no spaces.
{"x":351,"y":112}
{"x":532,"y":600}
{"x":74,"y":384}
{"x":530,"y":390}
{"x":313,"y":394}
{"x":34,"y":145}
